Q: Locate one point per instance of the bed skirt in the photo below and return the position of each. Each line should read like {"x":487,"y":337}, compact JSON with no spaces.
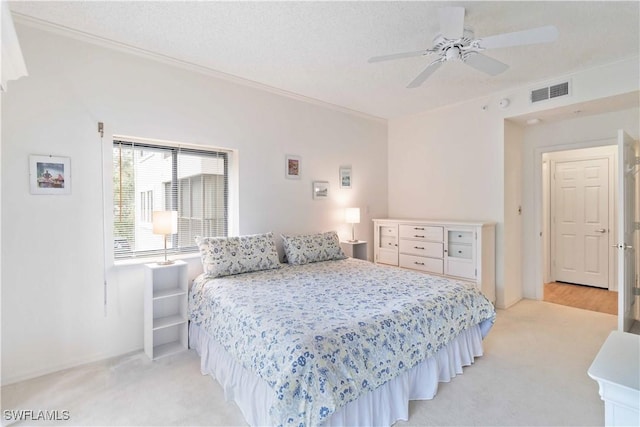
{"x":381,"y":407}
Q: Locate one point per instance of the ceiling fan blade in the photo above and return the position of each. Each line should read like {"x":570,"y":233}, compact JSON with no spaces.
{"x":451,"y":22}
{"x":485,"y":64}
{"x":398,"y":56}
{"x":424,"y":75}
{"x":545,"y":34}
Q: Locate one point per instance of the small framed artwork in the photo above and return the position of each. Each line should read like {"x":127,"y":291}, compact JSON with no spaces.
{"x":50,"y":174}
{"x":345,"y":176}
{"x":292,"y":166}
{"x":320,"y":190}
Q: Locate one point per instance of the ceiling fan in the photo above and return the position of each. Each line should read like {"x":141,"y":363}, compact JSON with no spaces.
{"x":455,"y":42}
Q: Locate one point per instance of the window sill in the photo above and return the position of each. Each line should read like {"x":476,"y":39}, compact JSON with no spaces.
{"x":153,"y":259}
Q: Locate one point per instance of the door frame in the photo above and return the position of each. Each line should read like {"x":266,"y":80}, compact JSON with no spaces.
{"x":538,"y":202}
{"x":608,"y":152}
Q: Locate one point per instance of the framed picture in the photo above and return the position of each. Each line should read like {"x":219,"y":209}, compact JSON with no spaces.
{"x":345,"y":176}
{"x":292,"y":167}
{"x":50,"y":174}
{"x":320,"y":190}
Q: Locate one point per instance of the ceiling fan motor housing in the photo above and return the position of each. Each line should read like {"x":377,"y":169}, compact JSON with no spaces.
{"x":453,"y":49}
{"x":452,"y":53}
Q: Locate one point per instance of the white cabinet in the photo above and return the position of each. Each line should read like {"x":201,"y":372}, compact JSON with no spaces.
{"x":386,"y":244}
{"x":460,"y":252}
{"x":617,"y":371}
{"x":464,"y":250}
{"x":165,"y":309}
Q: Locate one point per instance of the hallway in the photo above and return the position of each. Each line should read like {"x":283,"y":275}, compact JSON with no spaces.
{"x":585,"y":297}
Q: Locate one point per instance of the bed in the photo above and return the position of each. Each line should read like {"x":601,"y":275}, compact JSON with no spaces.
{"x":330,"y":340}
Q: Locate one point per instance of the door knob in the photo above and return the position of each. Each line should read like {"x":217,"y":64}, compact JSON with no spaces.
{"x":622,"y":246}
{"x":601,"y":230}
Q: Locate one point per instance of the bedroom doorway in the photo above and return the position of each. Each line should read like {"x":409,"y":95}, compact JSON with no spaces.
{"x":584,"y":297}
{"x":579,"y":199}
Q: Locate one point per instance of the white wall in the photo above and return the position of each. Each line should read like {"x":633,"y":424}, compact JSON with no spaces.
{"x":451,"y":163}
{"x":52,"y":276}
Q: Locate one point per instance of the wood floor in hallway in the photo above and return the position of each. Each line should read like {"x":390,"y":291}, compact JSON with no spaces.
{"x":585,"y":297}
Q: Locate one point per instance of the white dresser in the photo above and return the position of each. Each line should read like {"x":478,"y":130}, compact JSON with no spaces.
{"x":464,"y":250}
{"x":616,"y":368}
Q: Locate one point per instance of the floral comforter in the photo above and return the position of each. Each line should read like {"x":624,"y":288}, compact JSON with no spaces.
{"x":322,"y":334}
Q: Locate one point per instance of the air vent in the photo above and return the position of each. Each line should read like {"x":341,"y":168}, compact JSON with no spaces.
{"x":540,"y":94}
{"x":561,"y":89}
{"x":549,"y":92}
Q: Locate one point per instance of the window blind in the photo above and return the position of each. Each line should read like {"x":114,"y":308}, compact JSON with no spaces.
{"x":150,"y":177}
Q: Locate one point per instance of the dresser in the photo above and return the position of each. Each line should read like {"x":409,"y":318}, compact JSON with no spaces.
{"x":463,"y":250}
{"x":616,"y":368}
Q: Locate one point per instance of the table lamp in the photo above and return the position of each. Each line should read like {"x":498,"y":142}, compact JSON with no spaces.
{"x":352,"y":216}
{"x":165,"y":223}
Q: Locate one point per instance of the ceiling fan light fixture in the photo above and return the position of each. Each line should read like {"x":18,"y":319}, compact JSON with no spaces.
{"x":453,"y":54}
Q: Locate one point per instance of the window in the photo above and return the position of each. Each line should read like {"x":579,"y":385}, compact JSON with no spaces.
{"x":146,"y":206}
{"x":148,"y":177}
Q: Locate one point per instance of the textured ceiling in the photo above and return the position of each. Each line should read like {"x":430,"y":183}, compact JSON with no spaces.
{"x":320,"y":49}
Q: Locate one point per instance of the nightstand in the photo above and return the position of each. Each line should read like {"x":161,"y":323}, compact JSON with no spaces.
{"x":357,"y":249}
{"x":165,"y":309}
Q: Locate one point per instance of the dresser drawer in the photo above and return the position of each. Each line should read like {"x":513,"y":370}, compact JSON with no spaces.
{"x":422,"y":232}
{"x":456,"y":236}
{"x":431,"y":265}
{"x":413,"y":247}
{"x":463,"y":269}
{"x":388,"y":231}
{"x":387,"y":257}
{"x":388,"y":242}
{"x":457,"y":250}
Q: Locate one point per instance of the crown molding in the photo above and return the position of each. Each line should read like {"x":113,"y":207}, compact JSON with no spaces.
{"x":165,"y":59}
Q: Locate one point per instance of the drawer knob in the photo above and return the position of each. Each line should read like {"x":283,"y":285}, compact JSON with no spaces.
{"x":459,"y":235}
{"x":418,"y":263}
{"x":421,"y":237}
{"x":459,"y":252}
{"x":418,"y":247}
{"x":418,"y":228}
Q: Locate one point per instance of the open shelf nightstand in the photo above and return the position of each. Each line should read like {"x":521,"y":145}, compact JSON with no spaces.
{"x":165,"y":309}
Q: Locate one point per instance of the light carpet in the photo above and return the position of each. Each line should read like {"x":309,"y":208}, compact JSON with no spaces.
{"x":533,"y":373}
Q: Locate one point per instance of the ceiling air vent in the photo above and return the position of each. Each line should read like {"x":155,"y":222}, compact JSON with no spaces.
{"x":549,"y":92}
{"x":561,"y":89}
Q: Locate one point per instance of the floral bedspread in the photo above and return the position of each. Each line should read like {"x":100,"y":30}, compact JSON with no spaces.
{"x":322,"y":334}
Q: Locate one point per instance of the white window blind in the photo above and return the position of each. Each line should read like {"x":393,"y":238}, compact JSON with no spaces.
{"x":148,"y":177}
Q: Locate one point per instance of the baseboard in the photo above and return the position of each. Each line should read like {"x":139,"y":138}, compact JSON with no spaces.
{"x":511,"y":303}
{"x":25,"y":376}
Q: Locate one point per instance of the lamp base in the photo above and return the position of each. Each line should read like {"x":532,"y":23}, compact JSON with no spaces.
{"x":168,"y":262}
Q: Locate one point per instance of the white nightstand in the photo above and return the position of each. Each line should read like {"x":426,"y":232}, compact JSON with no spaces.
{"x":357,"y":249}
{"x":165,"y":309}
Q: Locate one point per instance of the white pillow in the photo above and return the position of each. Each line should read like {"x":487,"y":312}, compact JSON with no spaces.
{"x":304,"y":249}
{"x":224,"y":256}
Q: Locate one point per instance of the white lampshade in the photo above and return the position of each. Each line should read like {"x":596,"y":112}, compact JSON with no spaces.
{"x":352,"y":215}
{"x":165,"y":222}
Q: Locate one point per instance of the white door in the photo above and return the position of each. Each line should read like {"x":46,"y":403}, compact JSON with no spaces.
{"x":580,"y":222}
{"x":627,"y":171}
